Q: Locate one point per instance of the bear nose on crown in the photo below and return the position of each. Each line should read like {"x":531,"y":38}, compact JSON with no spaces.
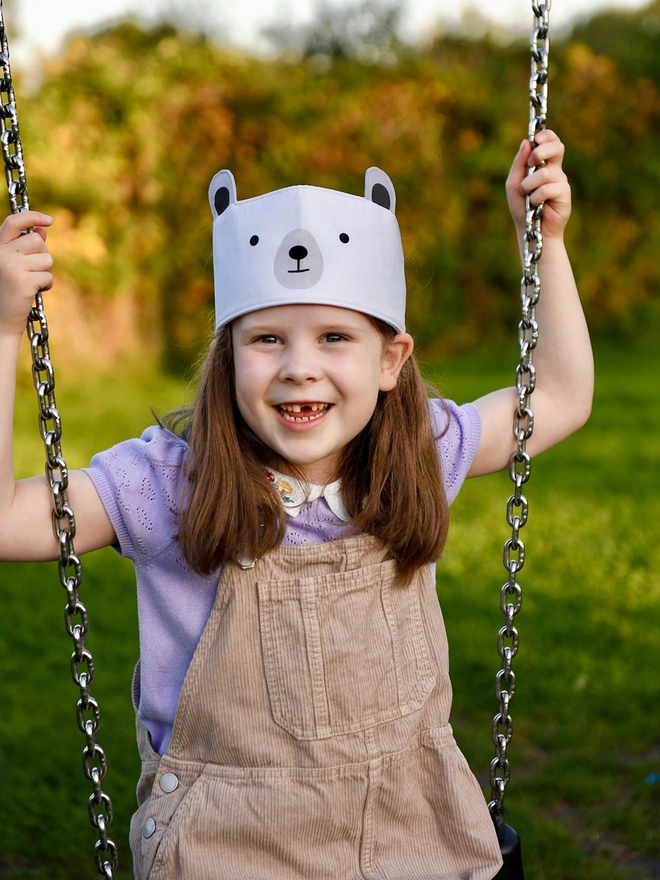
{"x":298,"y":252}
{"x":298,"y":263}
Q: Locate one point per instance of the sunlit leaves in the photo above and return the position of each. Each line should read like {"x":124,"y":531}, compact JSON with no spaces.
{"x":128,"y":127}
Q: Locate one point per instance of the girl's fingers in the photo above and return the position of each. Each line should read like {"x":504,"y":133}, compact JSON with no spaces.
{"x":547,"y":151}
{"x":16,"y":224}
{"x":43,"y":280}
{"x":39,"y":262}
{"x":545,"y":136}
{"x":519,"y":165}
{"x":542,"y":176}
{"x":550,"y":192}
{"x":30,"y":243}
{"x":547,"y":184}
{"x":546,"y":154}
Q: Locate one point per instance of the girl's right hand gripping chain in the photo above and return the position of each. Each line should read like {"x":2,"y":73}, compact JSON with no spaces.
{"x":25,"y":268}
{"x":26,"y":531}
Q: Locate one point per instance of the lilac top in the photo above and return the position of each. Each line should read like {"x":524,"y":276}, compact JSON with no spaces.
{"x":139,"y":483}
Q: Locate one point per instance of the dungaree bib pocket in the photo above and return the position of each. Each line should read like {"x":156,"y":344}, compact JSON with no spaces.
{"x":343,"y":652}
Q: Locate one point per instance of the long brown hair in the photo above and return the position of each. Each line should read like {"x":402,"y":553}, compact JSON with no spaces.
{"x":390,"y":473}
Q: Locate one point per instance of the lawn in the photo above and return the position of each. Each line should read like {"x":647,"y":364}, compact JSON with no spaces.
{"x":586,"y":741}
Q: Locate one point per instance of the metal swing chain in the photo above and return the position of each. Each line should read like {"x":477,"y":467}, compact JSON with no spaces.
{"x":64,"y":525}
{"x":523,"y":425}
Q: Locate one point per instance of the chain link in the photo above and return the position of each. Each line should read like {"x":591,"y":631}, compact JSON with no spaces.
{"x":64,"y":524}
{"x":523,"y":426}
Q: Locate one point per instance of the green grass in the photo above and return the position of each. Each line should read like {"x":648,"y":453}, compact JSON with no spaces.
{"x":586,"y":710}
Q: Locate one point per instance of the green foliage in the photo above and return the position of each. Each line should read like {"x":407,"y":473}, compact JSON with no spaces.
{"x":128,"y":127}
{"x":631,"y":38}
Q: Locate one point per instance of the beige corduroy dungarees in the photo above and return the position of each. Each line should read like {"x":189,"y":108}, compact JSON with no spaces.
{"x":311,"y":740}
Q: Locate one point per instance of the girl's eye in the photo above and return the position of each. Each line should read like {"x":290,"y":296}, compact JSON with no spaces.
{"x":333,"y":337}
{"x":269,"y":340}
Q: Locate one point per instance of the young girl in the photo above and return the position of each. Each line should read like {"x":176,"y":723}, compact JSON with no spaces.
{"x":292,"y":694}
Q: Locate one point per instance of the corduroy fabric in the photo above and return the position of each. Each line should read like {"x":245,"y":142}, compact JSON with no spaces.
{"x":311,"y":740}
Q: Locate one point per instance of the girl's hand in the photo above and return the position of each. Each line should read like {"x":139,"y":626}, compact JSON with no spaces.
{"x":548,"y":184}
{"x":25,"y":268}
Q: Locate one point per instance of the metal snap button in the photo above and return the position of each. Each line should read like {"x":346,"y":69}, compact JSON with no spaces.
{"x":244,"y":560}
{"x":149,"y":827}
{"x":169,"y":782}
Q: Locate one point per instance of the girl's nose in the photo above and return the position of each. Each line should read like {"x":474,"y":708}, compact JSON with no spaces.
{"x":299,"y":365}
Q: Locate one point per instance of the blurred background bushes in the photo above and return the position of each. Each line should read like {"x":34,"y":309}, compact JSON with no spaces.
{"x":126,"y":128}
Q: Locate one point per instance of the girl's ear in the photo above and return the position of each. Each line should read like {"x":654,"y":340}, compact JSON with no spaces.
{"x":395,"y":354}
{"x":222,"y":192}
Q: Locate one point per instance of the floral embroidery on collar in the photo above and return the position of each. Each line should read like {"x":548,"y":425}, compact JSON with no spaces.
{"x":281,"y":486}
{"x":294,"y":493}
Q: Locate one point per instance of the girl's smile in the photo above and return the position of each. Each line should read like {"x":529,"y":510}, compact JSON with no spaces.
{"x":308,"y":378}
{"x":299,"y":416}
{"x":302,"y":413}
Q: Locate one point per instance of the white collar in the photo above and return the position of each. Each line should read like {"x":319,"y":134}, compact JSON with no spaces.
{"x":294,"y":493}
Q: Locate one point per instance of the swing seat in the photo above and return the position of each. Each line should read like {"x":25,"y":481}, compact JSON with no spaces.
{"x":512,"y":869}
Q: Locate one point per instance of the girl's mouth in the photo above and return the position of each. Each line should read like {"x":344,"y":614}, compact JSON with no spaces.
{"x":302,"y":412}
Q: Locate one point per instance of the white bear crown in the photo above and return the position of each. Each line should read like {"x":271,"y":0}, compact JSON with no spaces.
{"x":308,"y":245}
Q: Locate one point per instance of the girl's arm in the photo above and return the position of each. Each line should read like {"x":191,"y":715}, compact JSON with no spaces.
{"x":561,"y":401}
{"x":26,"y":531}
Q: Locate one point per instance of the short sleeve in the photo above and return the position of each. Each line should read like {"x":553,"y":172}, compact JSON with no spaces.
{"x":457,"y":430}
{"x":139,"y":482}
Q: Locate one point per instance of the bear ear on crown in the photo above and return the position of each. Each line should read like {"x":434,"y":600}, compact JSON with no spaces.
{"x":222,"y":192}
{"x":378,"y":188}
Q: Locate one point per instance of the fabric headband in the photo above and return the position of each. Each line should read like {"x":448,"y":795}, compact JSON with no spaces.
{"x":306,"y":244}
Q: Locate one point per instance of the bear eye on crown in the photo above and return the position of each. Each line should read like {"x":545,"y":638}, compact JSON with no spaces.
{"x":254,"y":240}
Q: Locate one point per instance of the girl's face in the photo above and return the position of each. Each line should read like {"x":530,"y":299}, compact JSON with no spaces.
{"x":308,"y":377}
